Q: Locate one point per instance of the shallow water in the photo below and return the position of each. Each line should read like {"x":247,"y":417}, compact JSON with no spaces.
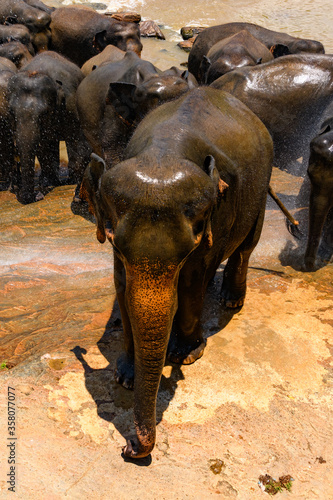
{"x":302,"y":18}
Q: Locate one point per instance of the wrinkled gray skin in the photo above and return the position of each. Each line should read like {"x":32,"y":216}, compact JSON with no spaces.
{"x":108,"y":55}
{"x":16,"y":52}
{"x":207,"y":38}
{"x":320,"y":171}
{"x":236,"y":51}
{"x":42,"y":103}
{"x":81,"y":33}
{"x":7,"y":70}
{"x":289,"y":95}
{"x":189,"y":194}
{"x":18,"y":11}
{"x":114,"y":97}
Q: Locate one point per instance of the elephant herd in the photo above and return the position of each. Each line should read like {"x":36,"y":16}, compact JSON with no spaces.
{"x":175,"y":165}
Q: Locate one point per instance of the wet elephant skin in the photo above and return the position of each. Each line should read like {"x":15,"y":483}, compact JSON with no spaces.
{"x":113,"y":98}
{"x":207,"y":38}
{"x":289,"y":95}
{"x":190,"y":193}
{"x":42,"y":104}
{"x":81,"y":33}
{"x":320,"y":171}
{"x":236,"y":51}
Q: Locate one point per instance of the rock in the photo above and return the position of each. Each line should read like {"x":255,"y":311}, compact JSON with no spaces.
{"x":151,"y":29}
{"x":187,"y":44}
{"x":128,"y":17}
{"x":188,"y":32}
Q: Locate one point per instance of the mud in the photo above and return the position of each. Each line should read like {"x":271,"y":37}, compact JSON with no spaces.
{"x":259,"y":401}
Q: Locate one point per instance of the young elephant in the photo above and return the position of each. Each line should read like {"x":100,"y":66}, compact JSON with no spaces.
{"x":190,"y":193}
{"x":81,"y":33}
{"x":16,"y":52}
{"x":208,"y":37}
{"x":321,"y":198}
{"x":114,"y":97}
{"x":111,"y":53}
{"x":236,"y":51}
{"x":42,"y":103}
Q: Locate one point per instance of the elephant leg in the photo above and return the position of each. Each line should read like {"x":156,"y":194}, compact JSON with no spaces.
{"x":48,"y":157}
{"x":320,"y":204}
{"x":79,"y":152}
{"x":125,"y":363}
{"x":234,"y":277}
{"x":186,"y":343}
{"x":6,"y":156}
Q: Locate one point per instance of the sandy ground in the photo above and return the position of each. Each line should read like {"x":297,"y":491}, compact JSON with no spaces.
{"x":258,"y":402}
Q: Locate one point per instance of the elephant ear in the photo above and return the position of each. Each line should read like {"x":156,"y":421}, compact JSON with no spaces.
{"x":211,"y":170}
{"x":89,"y":192}
{"x":61,"y":97}
{"x":190,"y":79}
{"x":279,"y":50}
{"x":204,"y":68}
{"x":122,"y":97}
{"x":99,"y":42}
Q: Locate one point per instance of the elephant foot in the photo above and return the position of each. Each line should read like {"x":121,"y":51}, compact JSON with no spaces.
{"x":124,"y":373}
{"x":39,"y":196}
{"x":26,"y":198}
{"x":231,"y":300}
{"x":309,"y":266}
{"x":133,"y":450}
{"x":77,"y":198}
{"x":186,"y":354}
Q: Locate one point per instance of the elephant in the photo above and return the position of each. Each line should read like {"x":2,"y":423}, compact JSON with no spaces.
{"x":236,"y":51}
{"x":81,"y":33}
{"x":7,"y":70}
{"x":19,"y":11}
{"x":114,"y":97}
{"x":16,"y":52}
{"x":320,"y":171}
{"x":42,"y":103}
{"x":208,"y":37}
{"x":190,"y":193}
{"x":109,"y":54}
{"x":7,"y":65}
{"x":289,"y":95}
{"x":16,"y":33}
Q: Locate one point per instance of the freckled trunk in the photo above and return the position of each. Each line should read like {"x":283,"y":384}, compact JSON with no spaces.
{"x":151,"y":300}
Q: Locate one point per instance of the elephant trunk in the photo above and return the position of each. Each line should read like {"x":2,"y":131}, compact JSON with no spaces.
{"x":152,"y":296}
{"x":27,"y":141}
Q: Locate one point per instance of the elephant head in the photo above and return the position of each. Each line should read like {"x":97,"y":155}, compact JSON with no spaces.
{"x":155,"y":218}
